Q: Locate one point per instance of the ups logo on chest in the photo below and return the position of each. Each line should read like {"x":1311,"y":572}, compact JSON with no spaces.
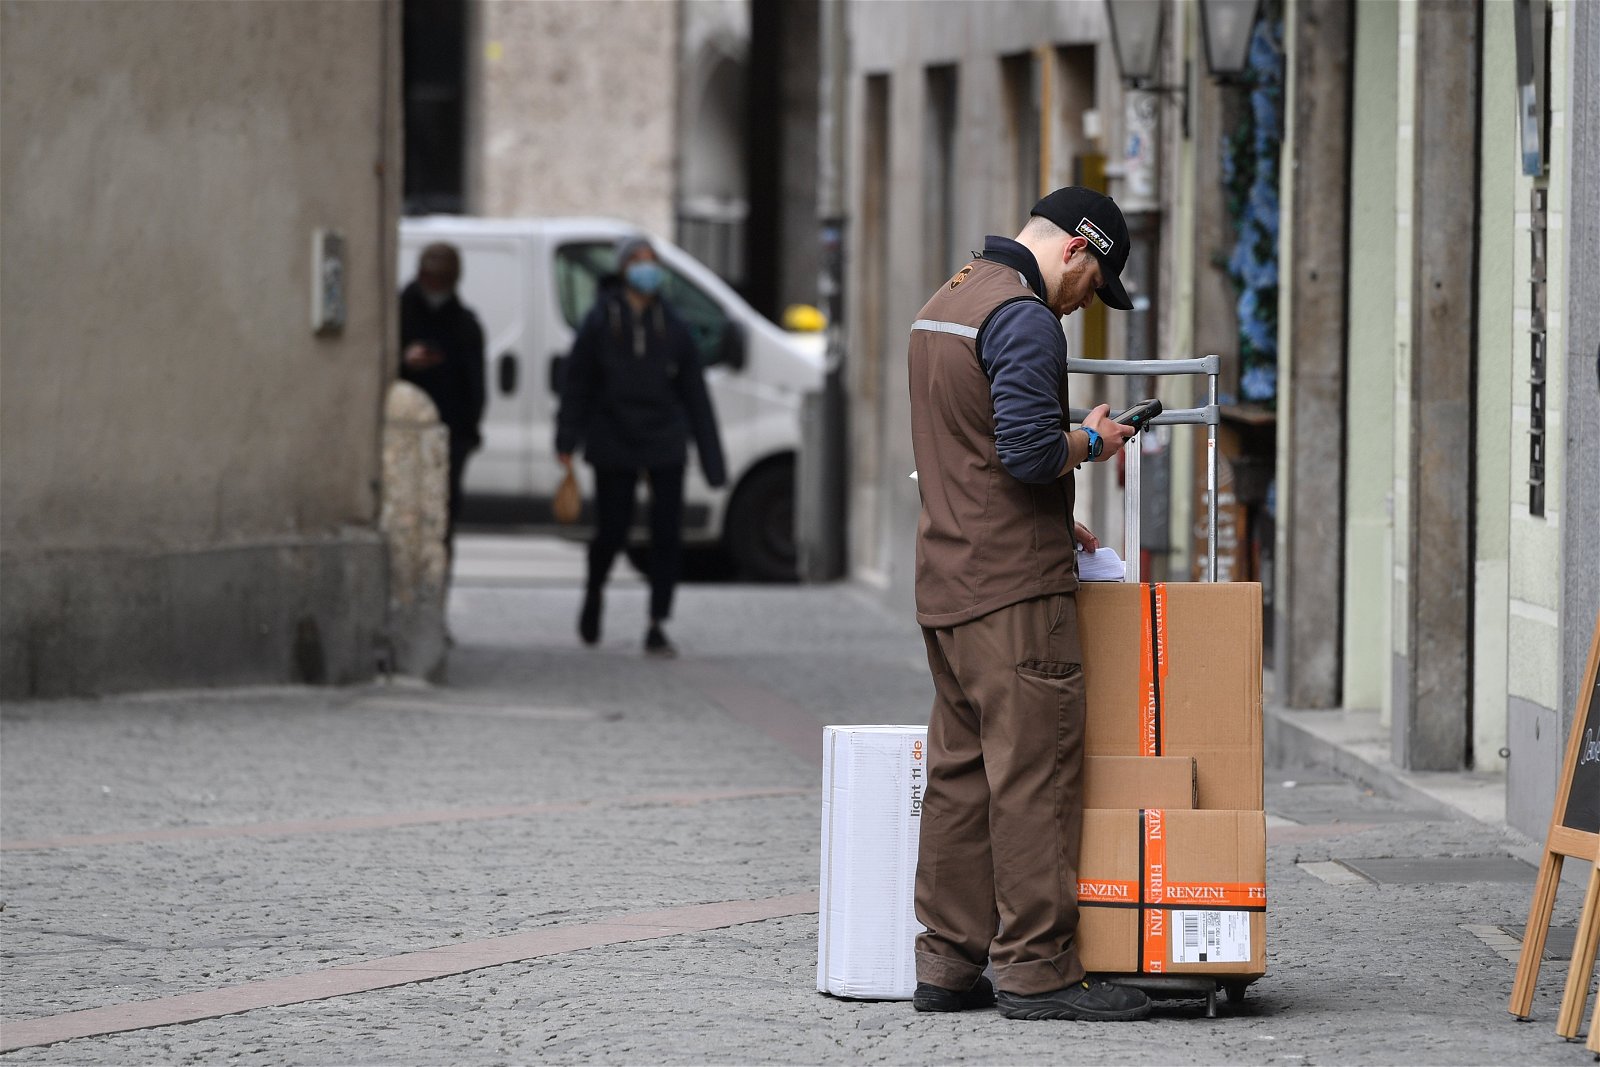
{"x":961,"y":276}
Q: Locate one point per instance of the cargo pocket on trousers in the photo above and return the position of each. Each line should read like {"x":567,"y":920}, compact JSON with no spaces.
{"x":1049,"y":670}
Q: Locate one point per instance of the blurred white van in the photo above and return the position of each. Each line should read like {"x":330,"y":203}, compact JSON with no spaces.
{"x":531,"y":282}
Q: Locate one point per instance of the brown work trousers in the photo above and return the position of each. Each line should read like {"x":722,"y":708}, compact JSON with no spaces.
{"x":997,"y":874}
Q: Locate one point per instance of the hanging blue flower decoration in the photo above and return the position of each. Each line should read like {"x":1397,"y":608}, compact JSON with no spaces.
{"x":1250,"y":177}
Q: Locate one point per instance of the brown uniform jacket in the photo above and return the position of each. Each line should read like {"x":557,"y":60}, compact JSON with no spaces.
{"x":984,"y":540}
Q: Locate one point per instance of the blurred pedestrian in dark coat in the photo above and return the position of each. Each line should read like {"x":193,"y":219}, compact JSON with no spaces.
{"x":441,"y":345}
{"x":634,"y":396}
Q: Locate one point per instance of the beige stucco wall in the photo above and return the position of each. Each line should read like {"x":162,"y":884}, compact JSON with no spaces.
{"x":572,"y":109}
{"x":1369,"y":470}
{"x":1534,"y":580}
{"x":162,"y":169}
{"x":1535,"y":586}
{"x":1518,"y":586}
{"x":1404,"y":244}
{"x":1497,"y":212}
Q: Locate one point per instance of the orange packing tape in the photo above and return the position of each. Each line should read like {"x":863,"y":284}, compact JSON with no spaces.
{"x":1153,"y":847}
{"x":1108,"y":891}
{"x":1216,"y":895}
{"x":1152,"y":668}
{"x":1220,"y":896}
{"x":1155,"y":896}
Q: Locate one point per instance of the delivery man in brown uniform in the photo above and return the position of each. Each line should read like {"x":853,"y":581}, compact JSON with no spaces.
{"x":996,"y":580}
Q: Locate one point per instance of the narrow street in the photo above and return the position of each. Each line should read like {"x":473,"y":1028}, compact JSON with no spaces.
{"x":587,"y":856}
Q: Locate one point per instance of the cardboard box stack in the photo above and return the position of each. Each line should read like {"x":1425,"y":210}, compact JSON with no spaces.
{"x":1172,"y":869}
{"x":1174,"y":670}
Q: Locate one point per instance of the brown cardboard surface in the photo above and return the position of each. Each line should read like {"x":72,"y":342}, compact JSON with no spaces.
{"x":1212,"y":862}
{"x":1138,"y":782}
{"x":1108,"y":940}
{"x":1211,"y":688}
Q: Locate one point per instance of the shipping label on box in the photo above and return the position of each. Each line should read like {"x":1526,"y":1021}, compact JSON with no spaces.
{"x":1211,"y":937}
{"x":873,"y":782}
{"x":1175,"y":670}
{"x":1179,"y":892}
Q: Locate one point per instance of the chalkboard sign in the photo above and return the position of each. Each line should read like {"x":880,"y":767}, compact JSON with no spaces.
{"x":1575,"y":832}
{"x":1583,"y":788}
{"x":1575,"y":822}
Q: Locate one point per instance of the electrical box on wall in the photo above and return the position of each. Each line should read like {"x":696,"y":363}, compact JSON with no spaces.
{"x":327,"y":282}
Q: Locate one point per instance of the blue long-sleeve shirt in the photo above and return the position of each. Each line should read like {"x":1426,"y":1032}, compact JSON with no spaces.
{"x":1024,"y":353}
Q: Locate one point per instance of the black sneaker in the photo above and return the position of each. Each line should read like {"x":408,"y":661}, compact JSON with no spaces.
{"x":1088,"y":1000}
{"x":930,"y":997}
{"x":589,"y":618}
{"x":656,"y":643}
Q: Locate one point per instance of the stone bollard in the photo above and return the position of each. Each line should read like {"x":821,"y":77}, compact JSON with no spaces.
{"x":416,"y":462}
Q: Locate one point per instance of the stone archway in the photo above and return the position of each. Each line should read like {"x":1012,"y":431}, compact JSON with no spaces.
{"x":713,"y":199}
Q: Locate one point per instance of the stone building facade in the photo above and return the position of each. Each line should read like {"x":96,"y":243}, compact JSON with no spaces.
{"x":958,"y":117}
{"x":572,"y":110}
{"x":1435,"y":491}
{"x":693,"y":120}
{"x":1471,"y":568}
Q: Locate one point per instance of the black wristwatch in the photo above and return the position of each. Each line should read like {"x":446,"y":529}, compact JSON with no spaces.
{"x":1096,"y":445}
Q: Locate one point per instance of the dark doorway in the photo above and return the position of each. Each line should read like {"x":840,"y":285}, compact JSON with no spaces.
{"x":434,"y":51}
{"x":781,"y":231}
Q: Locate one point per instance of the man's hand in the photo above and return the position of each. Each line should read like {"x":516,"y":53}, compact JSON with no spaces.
{"x":1113,"y":434}
{"x":420,"y":356}
{"x":1084,"y":538}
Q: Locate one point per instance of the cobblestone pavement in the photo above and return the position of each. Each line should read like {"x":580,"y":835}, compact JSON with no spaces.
{"x":556,"y":793}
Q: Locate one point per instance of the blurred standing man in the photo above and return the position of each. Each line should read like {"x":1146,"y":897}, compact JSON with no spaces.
{"x":441,"y":345}
{"x":996,"y":582}
{"x":634,"y":395}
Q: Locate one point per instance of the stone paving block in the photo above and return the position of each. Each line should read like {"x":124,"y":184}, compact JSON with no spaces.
{"x":1357,"y":974}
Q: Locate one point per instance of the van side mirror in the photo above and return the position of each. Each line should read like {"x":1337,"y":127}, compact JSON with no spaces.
{"x":507,"y":373}
{"x":732,"y":352}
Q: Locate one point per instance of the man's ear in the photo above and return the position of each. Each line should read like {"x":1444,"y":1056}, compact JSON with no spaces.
{"x":1074,"y":245}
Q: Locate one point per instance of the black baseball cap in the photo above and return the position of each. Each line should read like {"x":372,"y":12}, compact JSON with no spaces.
{"x":1096,"y":218}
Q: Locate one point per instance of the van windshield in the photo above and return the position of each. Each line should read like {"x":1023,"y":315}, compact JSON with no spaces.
{"x":581,"y":265}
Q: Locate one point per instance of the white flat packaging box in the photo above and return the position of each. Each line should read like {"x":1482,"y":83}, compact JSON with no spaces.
{"x":873,"y":781}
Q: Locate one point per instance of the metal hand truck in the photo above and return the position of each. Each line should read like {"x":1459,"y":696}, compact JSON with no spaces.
{"x":1169,"y":985}
{"x":1206,"y":416}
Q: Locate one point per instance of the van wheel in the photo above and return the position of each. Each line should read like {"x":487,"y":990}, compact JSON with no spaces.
{"x":760,"y":529}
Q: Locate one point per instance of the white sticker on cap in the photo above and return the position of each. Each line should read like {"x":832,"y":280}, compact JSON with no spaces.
{"x":1092,"y":232}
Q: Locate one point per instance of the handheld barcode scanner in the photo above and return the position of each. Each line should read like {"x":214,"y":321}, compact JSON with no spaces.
{"x":1139,"y":415}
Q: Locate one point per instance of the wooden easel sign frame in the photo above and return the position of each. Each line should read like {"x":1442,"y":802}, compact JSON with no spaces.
{"x":1574,"y":831}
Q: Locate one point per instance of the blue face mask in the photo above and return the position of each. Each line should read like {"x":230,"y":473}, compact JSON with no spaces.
{"x":644,"y":277}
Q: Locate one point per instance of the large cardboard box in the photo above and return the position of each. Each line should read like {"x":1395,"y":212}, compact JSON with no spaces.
{"x":1138,"y":782}
{"x":1175,"y":670}
{"x":1173,"y":892}
{"x":873,"y":779}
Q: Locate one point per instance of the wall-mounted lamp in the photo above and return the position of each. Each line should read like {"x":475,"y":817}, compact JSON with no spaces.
{"x":1226,"y":26}
{"x":1136,"y":38}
